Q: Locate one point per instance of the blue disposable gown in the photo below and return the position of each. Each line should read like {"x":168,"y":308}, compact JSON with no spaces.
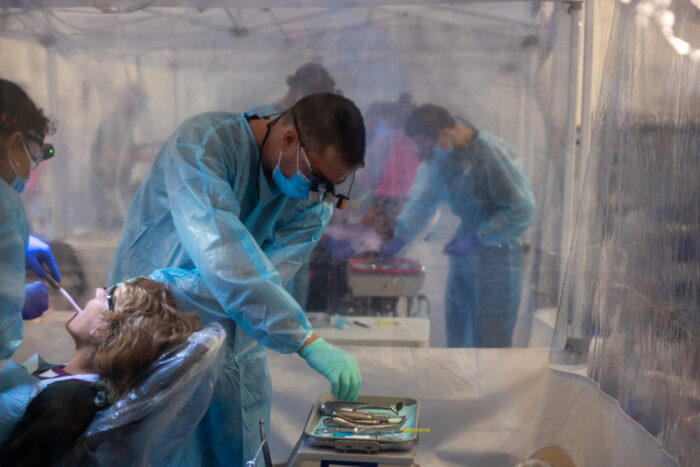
{"x":14,"y":234}
{"x":298,"y":286}
{"x":486,"y":187}
{"x":210,"y":224}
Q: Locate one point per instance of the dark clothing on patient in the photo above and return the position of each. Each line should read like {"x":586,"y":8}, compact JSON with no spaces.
{"x":51,"y":425}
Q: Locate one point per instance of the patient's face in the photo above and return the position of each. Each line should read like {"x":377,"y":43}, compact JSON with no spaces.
{"x":81,"y":326}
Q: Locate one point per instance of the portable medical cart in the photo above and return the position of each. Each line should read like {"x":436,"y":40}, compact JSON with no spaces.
{"x":379,"y":284}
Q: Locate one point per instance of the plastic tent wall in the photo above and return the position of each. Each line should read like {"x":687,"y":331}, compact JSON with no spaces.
{"x":118,"y":83}
{"x":630,"y":309}
{"x":621,"y":224}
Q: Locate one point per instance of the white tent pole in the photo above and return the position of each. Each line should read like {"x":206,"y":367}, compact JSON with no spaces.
{"x":58,"y":217}
{"x":586,"y":91}
{"x":258,"y":4}
{"x":570,"y":185}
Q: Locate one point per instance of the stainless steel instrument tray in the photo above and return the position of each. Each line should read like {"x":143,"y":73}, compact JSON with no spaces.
{"x":364,"y":442}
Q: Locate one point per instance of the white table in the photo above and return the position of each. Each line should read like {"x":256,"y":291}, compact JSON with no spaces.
{"x":379,"y":331}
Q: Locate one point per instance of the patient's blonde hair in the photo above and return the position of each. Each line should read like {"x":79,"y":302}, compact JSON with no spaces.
{"x":144,"y":324}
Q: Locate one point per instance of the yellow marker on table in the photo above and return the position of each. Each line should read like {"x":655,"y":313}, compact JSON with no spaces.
{"x":415,"y":430}
{"x":388,"y":323}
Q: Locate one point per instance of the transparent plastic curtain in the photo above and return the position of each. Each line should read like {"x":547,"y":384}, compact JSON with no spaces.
{"x":117,"y":84}
{"x":630,"y":308}
{"x":552,"y":166}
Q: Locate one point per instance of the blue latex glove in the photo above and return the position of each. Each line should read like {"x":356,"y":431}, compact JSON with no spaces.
{"x":39,"y":252}
{"x":390,"y":248}
{"x":337,"y":365}
{"x":36,"y":300}
{"x":462,"y":246}
{"x":340,"y":249}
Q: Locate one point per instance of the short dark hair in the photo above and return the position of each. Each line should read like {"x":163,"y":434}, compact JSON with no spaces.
{"x":329,"y":120}
{"x":311,"y":78}
{"x":19,"y":113}
{"x":427,"y":121}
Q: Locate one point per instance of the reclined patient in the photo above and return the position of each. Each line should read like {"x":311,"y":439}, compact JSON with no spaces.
{"x":118,"y":334}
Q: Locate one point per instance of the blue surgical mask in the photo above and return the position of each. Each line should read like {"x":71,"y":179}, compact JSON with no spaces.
{"x":19,"y":183}
{"x":441,"y":154}
{"x":296,"y":186}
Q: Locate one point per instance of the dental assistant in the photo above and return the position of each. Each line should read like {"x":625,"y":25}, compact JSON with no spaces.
{"x":225,"y":220}
{"x":23,"y":127}
{"x":480,"y":177}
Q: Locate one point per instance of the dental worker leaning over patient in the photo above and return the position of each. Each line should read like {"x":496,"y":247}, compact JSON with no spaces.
{"x":225,"y":220}
{"x":23,"y":127}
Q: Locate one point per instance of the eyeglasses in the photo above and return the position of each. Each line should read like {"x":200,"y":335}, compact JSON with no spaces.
{"x":44,"y":152}
{"x":110,"y":297}
{"x":315,"y":176}
{"x":317,"y":179}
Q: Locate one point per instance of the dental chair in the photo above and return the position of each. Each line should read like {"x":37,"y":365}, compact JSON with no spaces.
{"x":148,"y":424}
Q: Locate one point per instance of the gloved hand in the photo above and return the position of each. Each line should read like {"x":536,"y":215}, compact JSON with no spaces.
{"x":390,"y":248}
{"x":39,"y":252}
{"x":341,"y":249}
{"x":462,"y":246}
{"x":337,"y":365}
{"x":36,"y":300}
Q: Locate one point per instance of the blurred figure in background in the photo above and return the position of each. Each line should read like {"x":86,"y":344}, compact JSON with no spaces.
{"x":112,"y":157}
{"x":23,"y":127}
{"x":480,"y":177}
{"x":310,"y":78}
{"x":392,"y":161}
{"x":392,"y":157}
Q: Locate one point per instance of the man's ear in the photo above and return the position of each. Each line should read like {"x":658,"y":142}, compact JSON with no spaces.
{"x":289,"y":137}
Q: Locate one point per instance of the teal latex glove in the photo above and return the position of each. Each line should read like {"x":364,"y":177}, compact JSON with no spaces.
{"x":337,"y":365}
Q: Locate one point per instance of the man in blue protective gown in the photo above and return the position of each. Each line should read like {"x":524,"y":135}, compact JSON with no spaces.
{"x":481,"y":178}
{"x":23,"y":127}
{"x":309,"y":78}
{"x":224,"y":218}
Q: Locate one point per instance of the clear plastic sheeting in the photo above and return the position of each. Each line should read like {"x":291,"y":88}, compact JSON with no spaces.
{"x":148,"y":424}
{"x":484,"y":407}
{"x":630,"y":308}
{"x":118,"y":84}
{"x":612,"y":245}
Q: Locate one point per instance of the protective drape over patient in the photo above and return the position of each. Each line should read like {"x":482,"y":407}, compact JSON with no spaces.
{"x":14,"y":232}
{"x":148,"y":423}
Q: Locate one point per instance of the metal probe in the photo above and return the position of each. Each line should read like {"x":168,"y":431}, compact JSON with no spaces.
{"x":265,"y":447}
{"x":57,"y":285}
